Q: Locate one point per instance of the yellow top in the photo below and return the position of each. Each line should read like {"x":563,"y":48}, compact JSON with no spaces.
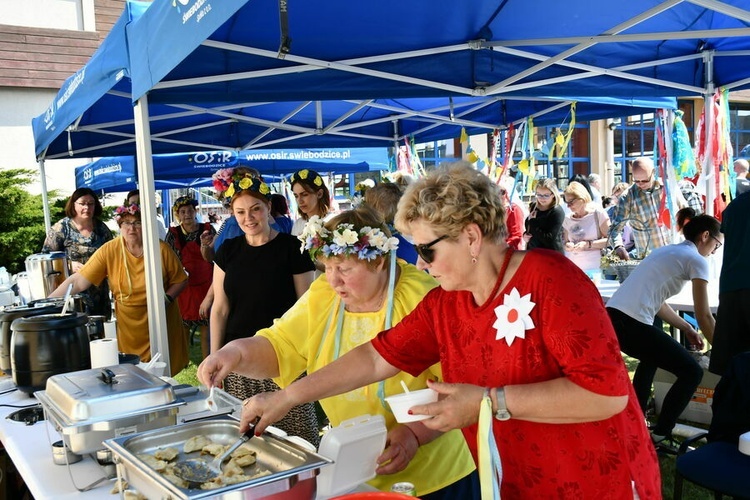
{"x":127,"y":280}
{"x":297,"y":337}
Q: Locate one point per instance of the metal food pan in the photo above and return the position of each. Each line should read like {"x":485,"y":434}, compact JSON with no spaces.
{"x":105,"y":393}
{"x":87,"y":436}
{"x":291,"y":466}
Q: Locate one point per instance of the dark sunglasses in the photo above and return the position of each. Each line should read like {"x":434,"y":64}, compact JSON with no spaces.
{"x":425,"y":251}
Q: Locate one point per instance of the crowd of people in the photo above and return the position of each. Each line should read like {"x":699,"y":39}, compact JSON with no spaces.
{"x":448,"y":281}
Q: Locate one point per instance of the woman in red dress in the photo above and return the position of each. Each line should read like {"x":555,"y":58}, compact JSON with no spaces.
{"x":190,"y":241}
{"x":533,"y":372}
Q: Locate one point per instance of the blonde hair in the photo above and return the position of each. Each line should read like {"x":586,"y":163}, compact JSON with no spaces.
{"x":551,"y":186}
{"x":452,"y":197}
{"x":579,"y":191}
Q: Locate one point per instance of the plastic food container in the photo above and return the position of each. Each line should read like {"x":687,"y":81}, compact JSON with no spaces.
{"x":401,"y":403}
{"x":354,"y":447}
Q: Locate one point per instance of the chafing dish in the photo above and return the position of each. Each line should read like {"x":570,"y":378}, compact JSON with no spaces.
{"x":89,"y":406}
{"x":292,"y":468}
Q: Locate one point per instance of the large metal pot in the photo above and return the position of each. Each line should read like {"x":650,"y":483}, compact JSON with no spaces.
{"x":6,"y":319}
{"x":46,"y":271}
{"x":46,"y":345}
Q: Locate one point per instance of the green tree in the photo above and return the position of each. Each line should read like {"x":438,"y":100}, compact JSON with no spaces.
{"x":21,"y":219}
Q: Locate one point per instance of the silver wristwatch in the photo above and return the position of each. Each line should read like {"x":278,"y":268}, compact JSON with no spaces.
{"x":502,"y":412}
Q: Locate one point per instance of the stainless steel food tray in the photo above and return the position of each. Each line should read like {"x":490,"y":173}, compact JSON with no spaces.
{"x":102,"y":393}
{"x":292,"y":467}
{"x":87,"y":436}
{"x":89,"y":406}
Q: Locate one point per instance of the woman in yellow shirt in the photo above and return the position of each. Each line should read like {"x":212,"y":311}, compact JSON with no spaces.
{"x":120,"y":262}
{"x":364,"y":291}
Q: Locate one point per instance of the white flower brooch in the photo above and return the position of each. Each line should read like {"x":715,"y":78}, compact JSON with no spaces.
{"x":513,"y":316}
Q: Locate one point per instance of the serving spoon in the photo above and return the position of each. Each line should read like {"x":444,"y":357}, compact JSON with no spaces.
{"x":197,"y":470}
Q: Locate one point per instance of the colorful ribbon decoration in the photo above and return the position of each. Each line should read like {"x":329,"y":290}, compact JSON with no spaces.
{"x":490,"y":466}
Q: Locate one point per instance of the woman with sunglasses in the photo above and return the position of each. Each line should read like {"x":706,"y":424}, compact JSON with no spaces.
{"x":364,"y":290}
{"x":120,"y":261}
{"x":533,"y":373}
{"x":642,"y":296}
{"x":545,"y":220}
{"x":79,"y":234}
{"x":585,"y":229}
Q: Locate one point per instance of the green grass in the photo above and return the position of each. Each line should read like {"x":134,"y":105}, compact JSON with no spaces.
{"x":188,"y":375}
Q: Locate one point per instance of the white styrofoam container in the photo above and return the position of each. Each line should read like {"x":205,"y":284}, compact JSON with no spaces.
{"x":354,"y":447}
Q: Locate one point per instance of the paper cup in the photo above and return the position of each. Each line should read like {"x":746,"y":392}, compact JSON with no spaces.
{"x":401,"y":403}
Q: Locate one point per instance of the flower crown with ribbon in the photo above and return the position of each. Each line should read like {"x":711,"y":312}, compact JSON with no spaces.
{"x":367,"y":244}
{"x":124,"y":210}
{"x":184,"y":201}
{"x":307,"y":175}
{"x":228,"y":182}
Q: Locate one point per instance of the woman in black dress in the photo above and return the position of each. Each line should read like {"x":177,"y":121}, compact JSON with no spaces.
{"x":257,"y":277}
{"x":545,"y":220}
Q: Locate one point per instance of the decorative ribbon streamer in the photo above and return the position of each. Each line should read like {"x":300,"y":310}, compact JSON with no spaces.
{"x":560,"y":145}
{"x":490,"y":466}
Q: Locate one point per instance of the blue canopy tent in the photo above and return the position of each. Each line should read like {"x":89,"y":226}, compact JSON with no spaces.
{"x":179,"y":170}
{"x":256,"y":53}
{"x":363,"y":53}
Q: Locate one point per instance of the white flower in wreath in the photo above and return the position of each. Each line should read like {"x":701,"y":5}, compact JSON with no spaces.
{"x":345,"y":237}
{"x":513,"y":316}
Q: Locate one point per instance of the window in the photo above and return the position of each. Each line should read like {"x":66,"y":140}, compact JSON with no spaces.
{"x":75,"y":15}
{"x":739,"y":120}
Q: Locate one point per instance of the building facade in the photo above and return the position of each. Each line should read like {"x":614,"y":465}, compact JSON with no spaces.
{"x":42,"y":42}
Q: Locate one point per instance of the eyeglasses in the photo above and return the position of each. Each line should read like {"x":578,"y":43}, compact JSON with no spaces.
{"x":646,"y":181}
{"x":544,"y":196}
{"x":82,"y":204}
{"x":425,"y":250}
{"x":718,"y":243}
{"x":135,"y":223}
{"x":569,"y":203}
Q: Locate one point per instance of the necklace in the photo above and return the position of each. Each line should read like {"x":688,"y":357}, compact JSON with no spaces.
{"x":137,"y":256}
{"x":500,"y":277}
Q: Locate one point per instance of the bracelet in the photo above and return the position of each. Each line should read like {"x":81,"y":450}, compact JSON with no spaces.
{"x":589,"y":243}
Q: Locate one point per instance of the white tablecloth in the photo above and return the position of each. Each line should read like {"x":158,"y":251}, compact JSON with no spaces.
{"x":682,"y":301}
{"x":30,"y":449}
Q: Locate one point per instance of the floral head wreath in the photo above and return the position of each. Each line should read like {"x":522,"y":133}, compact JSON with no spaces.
{"x":124,"y":210}
{"x":311,"y":176}
{"x":366,"y":244}
{"x":183,"y":201}
{"x":228,"y":182}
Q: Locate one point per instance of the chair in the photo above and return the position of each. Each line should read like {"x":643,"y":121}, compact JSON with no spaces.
{"x":718,"y":465}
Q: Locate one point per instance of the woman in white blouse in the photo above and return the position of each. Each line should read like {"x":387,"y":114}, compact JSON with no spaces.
{"x":585,"y":229}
